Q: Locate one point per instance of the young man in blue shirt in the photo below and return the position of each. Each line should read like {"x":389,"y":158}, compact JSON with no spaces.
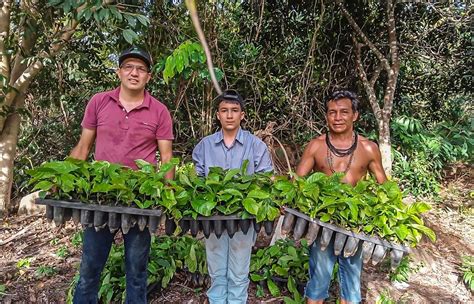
{"x":228,"y":259}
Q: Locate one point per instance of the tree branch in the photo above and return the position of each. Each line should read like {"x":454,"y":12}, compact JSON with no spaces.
{"x":4,"y":33}
{"x":392,"y":34}
{"x":310,"y":57}
{"x":31,"y":71}
{"x":191,"y":5}
{"x":262,"y":9}
{"x":362,"y":36}
{"x":369,"y":88}
{"x":395,"y":68}
{"x":376,"y":74}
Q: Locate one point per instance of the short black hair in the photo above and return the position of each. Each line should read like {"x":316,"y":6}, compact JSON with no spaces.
{"x":231,"y":96}
{"x":341,"y":94}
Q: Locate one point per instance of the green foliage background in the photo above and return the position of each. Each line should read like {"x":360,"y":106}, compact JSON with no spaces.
{"x":284,"y":57}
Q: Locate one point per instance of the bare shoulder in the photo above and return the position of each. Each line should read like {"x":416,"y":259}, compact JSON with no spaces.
{"x":369,"y":147}
{"x":316,"y":143}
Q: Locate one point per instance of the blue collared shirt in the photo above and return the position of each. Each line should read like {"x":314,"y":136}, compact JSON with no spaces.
{"x":212,"y":152}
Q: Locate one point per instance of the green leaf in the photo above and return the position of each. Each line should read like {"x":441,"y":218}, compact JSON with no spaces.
{"x":184,"y":180}
{"x":250,"y":206}
{"x":421,"y":207}
{"x":401,"y":231}
{"x":204,"y":206}
{"x":292,"y":252}
{"x":62,"y":167}
{"x":258,"y":194}
{"x":315,"y":177}
{"x":273,"y":288}
{"x":143,"y":19}
{"x":256,"y":277}
{"x":102,"y":187}
{"x":191,"y":260}
{"x":129,"y":35}
{"x":43,"y":185}
{"x":233,"y":192}
{"x":230,"y":174}
{"x":425,"y":230}
{"x":325,"y":218}
{"x":284,"y":186}
{"x":130,"y":20}
{"x":145,"y":166}
{"x":280,"y":271}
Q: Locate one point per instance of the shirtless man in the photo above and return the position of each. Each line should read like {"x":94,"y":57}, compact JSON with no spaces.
{"x":339,"y":150}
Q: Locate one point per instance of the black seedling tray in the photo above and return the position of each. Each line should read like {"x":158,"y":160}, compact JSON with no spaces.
{"x":216,"y":224}
{"x":100,"y":216}
{"x":345,"y":242}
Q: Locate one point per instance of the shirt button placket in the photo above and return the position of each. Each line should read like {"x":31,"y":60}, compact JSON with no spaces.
{"x":227,"y":159}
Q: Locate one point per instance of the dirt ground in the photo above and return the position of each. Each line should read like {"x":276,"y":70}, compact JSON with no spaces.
{"x":31,"y":248}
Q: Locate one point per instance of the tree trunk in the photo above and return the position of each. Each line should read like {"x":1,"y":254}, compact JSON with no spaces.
{"x":385,"y":146}
{"x":8,"y":143}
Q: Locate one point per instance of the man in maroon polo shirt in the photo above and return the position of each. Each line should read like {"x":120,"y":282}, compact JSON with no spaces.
{"x":126,"y":124}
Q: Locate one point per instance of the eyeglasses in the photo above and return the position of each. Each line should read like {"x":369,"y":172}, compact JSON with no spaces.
{"x":129,"y":68}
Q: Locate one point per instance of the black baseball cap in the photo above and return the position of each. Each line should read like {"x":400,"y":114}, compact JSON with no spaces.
{"x":136,"y":52}
{"x":231,"y":95}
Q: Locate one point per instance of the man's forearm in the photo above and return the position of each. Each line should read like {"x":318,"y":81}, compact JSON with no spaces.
{"x":165,"y":159}
{"x":79,"y":153}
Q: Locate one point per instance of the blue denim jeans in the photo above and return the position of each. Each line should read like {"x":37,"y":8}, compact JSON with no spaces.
{"x":321,"y":264}
{"x":95,"y":252}
{"x":228,"y":262}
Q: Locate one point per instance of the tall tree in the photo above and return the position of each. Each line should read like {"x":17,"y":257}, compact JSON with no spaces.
{"x":32,"y":33}
{"x":389,"y":63}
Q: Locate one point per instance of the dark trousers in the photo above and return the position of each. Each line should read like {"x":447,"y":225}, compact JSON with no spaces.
{"x":96,"y":250}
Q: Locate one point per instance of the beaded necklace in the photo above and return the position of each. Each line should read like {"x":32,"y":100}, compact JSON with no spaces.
{"x":340,"y":152}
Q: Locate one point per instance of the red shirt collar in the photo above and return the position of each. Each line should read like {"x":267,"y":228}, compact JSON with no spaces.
{"x":114,"y":94}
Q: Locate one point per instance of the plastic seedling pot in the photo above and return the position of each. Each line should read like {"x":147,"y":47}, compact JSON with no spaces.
{"x":351,"y":246}
{"x":300,"y":228}
{"x":58,"y":215}
{"x":67,"y":214}
{"x":170,"y":226}
{"x":141,"y":222}
{"x":312,"y":233}
{"x":288,"y":222}
{"x":194,"y":227}
{"x":245,"y":225}
{"x":268,"y":225}
{"x":87,"y":218}
{"x":206,"y":228}
{"x":257,"y":226}
{"x":153,"y":223}
{"x":114,"y":222}
{"x":339,"y":242}
{"x":326,"y":236}
{"x":126,"y":223}
{"x":231,"y":226}
{"x":76,"y":215}
{"x":367,"y":249}
{"x":396,"y":257}
{"x":218,"y":228}
{"x":99,"y":219}
{"x":378,"y":254}
{"x":49,"y":212}
{"x":184,"y":225}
